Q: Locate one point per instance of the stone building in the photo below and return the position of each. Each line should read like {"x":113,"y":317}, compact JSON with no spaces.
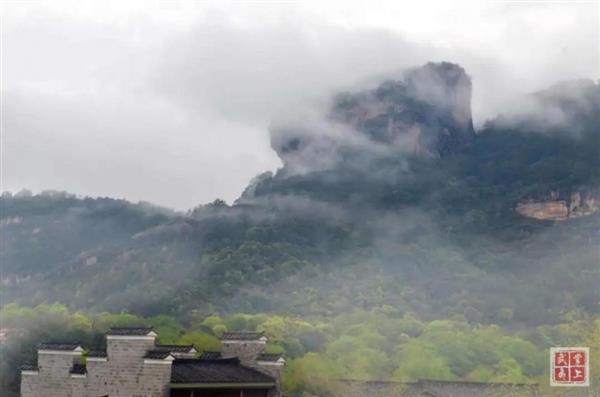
{"x":133,"y":365}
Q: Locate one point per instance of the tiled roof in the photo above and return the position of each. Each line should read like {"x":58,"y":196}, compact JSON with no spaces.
{"x":269,"y":357}
{"x":174,"y":348}
{"x":206,"y":355}
{"x":79,"y":369}
{"x":157,"y":354}
{"x":215,"y":371}
{"x":97,"y":353}
{"x":66,"y":346}
{"x":126,"y":331}
{"x":242,"y":335}
{"x":29,"y":367}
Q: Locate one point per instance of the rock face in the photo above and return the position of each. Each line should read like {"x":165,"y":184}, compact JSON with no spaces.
{"x":557,"y":209}
{"x":448,"y":89}
{"x":428,"y":113}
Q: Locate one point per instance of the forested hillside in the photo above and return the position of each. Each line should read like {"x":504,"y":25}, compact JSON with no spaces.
{"x":391,"y":231}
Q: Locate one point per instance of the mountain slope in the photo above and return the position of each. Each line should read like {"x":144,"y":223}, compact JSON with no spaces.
{"x":392,"y":201}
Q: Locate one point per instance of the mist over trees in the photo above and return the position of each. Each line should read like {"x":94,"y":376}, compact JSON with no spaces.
{"x":390,"y":234}
{"x":432,"y":230}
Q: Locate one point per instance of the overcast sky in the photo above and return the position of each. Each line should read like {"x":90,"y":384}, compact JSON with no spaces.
{"x":170,"y":101}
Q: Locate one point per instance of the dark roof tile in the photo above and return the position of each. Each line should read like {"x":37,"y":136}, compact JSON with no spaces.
{"x":210,"y":355}
{"x":215,"y":371}
{"x":174,"y":348}
{"x":29,"y":367}
{"x":269,"y":357}
{"x":157,"y":354}
{"x":66,"y":346}
{"x":97,"y":353}
{"x":242,"y":335}
{"x":126,"y":331}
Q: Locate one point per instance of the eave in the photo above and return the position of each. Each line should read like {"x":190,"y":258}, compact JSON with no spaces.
{"x":204,"y":385}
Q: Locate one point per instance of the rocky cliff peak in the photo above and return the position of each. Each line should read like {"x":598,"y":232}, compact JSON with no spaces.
{"x":426,"y":113}
{"x":448,"y":88}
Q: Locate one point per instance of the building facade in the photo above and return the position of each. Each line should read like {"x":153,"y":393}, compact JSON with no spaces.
{"x":133,"y":365}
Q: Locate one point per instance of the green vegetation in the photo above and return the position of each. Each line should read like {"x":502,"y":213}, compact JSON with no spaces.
{"x":435,"y":236}
{"x":382,"y":265}
{"x":374,"y":344}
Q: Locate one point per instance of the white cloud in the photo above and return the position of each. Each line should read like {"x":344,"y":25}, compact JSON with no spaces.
{"x":170,"y":101}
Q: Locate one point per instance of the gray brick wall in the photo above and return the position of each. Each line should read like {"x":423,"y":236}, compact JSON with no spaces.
{"x":124,"y":373}
{"x":246,"y":351}
{"x":53,"y":378}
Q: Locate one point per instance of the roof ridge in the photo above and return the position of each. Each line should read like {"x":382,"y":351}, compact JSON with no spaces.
{"x":63,"y":342}
{"x":136,"y":331}
{"x":97,"y":353}
{"x":157,"y":354}
{"x":140,"y":327}
{"x":228,"y":360}
{"x":274,"y":357}
{"x":71,"y":345}
{"x":241,"y":335}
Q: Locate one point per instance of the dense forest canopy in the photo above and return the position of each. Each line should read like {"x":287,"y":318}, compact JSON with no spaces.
{"x":389,"y":234}
{"x":359,"y":344}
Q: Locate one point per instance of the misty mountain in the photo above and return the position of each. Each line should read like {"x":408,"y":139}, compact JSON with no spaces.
{"x":388,"y":199}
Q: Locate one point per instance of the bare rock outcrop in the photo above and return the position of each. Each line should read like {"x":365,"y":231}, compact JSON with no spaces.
{"x":428,"y":113}
{"x":559,"y":209}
